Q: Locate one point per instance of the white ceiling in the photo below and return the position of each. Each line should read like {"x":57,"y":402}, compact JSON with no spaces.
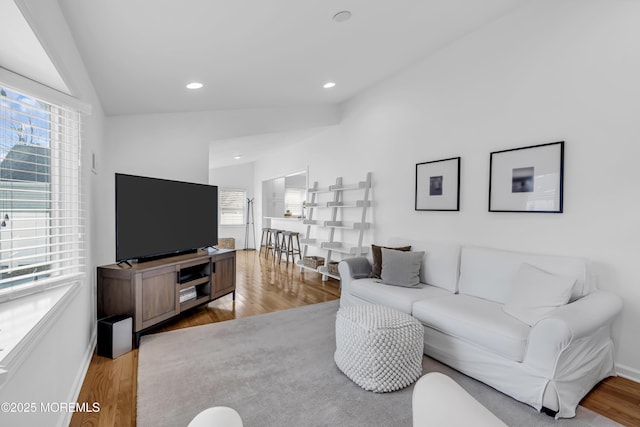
{"x":257,"y":53}
{"x":253,"y":147}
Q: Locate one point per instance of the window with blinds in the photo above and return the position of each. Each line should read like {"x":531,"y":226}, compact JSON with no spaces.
{"x":232,"y":204}
{"x":293,"y":198}
{"x":41,"y":226}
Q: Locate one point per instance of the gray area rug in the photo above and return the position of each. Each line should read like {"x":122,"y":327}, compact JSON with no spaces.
{"x":277,"y":369}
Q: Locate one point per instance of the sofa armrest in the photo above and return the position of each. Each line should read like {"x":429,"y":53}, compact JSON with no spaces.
{"x":351,"y":269}
{"x":565,"y":325}
{"x":589,"y":313}
{"x":359,"y":267}
{"x":573,"y":342}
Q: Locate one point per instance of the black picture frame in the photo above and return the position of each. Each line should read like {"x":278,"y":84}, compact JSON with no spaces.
{"x":527,"y":179}
{"x":438,"y":185}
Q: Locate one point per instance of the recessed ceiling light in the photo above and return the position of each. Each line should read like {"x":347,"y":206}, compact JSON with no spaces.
{"x":237,"y":157}
{"x":194,"y":85}
{"x":342,"y":16}
{"x":328,"y":85}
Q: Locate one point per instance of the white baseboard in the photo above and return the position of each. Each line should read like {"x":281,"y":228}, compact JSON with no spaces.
{"x":65,"y":420}
{"x":628,"y":373}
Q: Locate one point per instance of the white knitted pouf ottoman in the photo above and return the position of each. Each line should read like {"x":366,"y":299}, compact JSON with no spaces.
{"x":379,"y":348}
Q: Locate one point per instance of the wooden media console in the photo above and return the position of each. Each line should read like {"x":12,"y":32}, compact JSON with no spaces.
{"x":150,"y":292}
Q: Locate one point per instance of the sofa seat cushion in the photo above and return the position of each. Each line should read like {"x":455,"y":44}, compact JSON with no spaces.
{"x":477,"y":321}
{"x":400,"y":298}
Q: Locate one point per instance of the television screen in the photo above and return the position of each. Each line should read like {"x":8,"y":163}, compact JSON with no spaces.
{"x":158,"y":217}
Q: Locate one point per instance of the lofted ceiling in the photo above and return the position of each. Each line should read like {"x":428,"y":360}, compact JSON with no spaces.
{"x":21,"y":51}
{"x":257,"y":53}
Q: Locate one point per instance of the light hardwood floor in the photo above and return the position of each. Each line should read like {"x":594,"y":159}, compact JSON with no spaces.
{"x":263,"y":287}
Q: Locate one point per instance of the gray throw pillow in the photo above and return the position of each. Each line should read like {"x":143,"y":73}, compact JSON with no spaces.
{"x":401,"y":268}
{"x":376,"y":251}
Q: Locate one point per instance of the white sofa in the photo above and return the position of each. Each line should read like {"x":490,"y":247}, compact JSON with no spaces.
{"x":551,"y":364}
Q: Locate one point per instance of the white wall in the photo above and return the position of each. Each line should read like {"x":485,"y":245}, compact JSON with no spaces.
{"x":554,"y":70}
{"x":54,"y":369}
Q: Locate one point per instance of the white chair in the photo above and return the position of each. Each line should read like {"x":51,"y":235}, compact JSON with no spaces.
{"x":440,"y":401}
{"x":218,"y":416}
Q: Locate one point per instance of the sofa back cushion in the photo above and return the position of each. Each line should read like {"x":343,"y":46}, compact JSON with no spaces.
{"x":490,"y":273}
{"x":440,"y":264}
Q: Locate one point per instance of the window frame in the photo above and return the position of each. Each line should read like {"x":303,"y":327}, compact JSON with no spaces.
{"x":29,"y":315}
{"x":298,"y":210}
{"x":244,"y":206}
{"x":65,"y":208}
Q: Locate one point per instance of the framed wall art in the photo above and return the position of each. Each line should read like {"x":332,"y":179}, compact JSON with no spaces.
{"x":438,"y":185}
{"x":527,"y":179}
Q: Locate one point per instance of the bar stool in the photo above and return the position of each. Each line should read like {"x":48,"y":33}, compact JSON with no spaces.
{"x":264,"y":240}
{"x":289,"y":247}
{"x":269,"y":247}
{"x":275,"y":243}
{"x":281,"y":247}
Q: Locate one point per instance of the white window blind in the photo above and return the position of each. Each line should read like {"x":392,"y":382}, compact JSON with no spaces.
{"x":293,"y":198}
{"x":232,"y":204}
{"x":41,"y":226}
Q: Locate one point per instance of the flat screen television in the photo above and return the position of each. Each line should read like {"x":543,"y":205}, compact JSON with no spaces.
{"x":159,"y":217}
